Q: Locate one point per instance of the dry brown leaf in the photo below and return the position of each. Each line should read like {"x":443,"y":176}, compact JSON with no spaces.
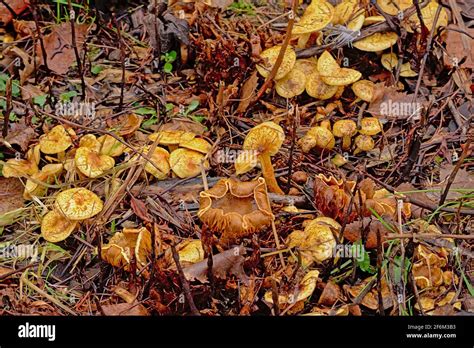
{"x":230,"y":261}
{"x":11,"y":198}
{"x":330,"y":294}
{"x":456,"y":52}
{"x":21,"y":134}
{"x":27,"y":62}
{"x":463,"y":180}
{"x":18,"y":6}
{"x":130,"y":309}
{"x":247,"y":92}
{"x":466,"y":7}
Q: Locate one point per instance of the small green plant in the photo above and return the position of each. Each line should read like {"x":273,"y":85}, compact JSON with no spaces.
{"x":40,"y":100}
{"x":96,"y":69}
{"x":364,"y":262}
{"x":243,"y":7}
{"x":168,"y":58}
{"x":147,"y":111}
{"x":67,"y":96}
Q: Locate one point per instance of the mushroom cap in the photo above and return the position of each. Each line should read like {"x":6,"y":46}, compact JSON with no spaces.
{"x":110,"y":146}
{"x":392,"y":7}
{"x":161,"y":158}
{"x":317,"y":16}
{"x":344,"y":11}
{"x":373,"y":19}
{"x":78,"y":203}
{"x":15,"y":168}
{"x":344,"y":128}
{"x":318,"y":136}
{"x":390,"y":61}
{"x":91,"y":163}
{"x":317,"y":88}
{"x":370,"y":126}
{"x":357,"y":22}
{"x":376,"y":42}
{"x":327,"y":65}
{"x":428,"y":13}
{"x":342,"y":77}
{"x":125,"y":124}
{"x":307,"y":66}
{"x":269,"y":57}
{"x":407,"y":71}
{"x":46,"y":174}
{"x":171,"y":137}
{"x":90,"y":141}
{"x":186,"y":163}
{"x":267,"y":137}
{"x":245,"y":161}
{"x":364,"y":143}
{"x":55,"y":227}
{"x":197,"y":144}
{"x":235,"y":208}
{"x":364,"y":89}
{"x":292,"y":84}
{"x":56,"y":141}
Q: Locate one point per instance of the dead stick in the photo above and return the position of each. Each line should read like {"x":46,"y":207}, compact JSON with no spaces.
{"x":428,"y":236}
{"x":184,"y":282}
{"x":6,"y":116}
{"x":72,"y":17}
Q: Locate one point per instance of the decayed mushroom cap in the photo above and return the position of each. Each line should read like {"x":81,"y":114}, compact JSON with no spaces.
{"x":78,"y":204}
{"x":370,"y":126}
{"x":428,"y":14}
{"x":56,"y":141}
{"x":376,"y":42}
{"x":161,"y":158}
{"x":392,"y":7}
{"x":364,"y":89}
{"x":123,"y":246}
{"x":266,"y":139}
{"x":110,"y":146}
{"x":55,"y":227}
{"x":46,"y":175}
{"x":390,"y":61}
{"x":197,"y":144}
{"x":363,"y":143}
{"x":344,"y":129}
{"x":317,"y":16}
{"x":125,"y":124}
{"x":269,"y":57}
{"x":16,"y":168}
{"x":292,"y":84}
{"x":186,"y":163}
{"x":171,"y":137}
{"x":317,"y":88}
{"x":91,"y":163}
{"x":319,"y":137}
{"x":236,"y":209}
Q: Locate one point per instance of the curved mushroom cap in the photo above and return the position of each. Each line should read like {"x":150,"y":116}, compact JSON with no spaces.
{"x":315,"y":18}
{"x":186,"y":163}
{"x":125,"y":124}
{"x":344,"y":10}
{"x":307,"y":66}
{"x":363,"y":143}
{"x":110,"y":146}
{"x":342,"y":77}
{"x":376,"y":42}
{"x":344,"y":128}
{"x":428,"y":13}
{"x":91,"y":163}
{"x":370,"y":126}
{"x":235,"y":208}
{"x":392,"y":7}
{"x":373,"y":19}
{"x":364,"y":89}
{"x":318,"y":136}
{"x":317,"y":88}
{"x":131,"y":242}
{"x":267,"y":137}
{"x":47,"y":175}
{"x":15,"y":168}
{"x":90,"y":141}
{"x":390,"y":61}
{"x":161,"y":158}
{"x":327,"y":65}
{"x":357,"y":22}
{"x":292,"y":84}
{"x":197,"y":144}
{"x":56,"y":141}
{"x":269,"y":57}
{"x":171,"y":137}
{"x":55,"y":227}
{"x":245,"y":161}
{"x":78,"y":203}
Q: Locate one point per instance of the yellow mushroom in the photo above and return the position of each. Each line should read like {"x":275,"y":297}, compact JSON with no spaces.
{"x":364,"y":89}
{"x":332,"y":74}
{"x":56,"y":141}
{"x":376,"y":42}
{"x":197,"y":144}
{"x":110,"y":146}
{"x":55,"y":227}
{"x":316,"y":17}
{"x":345,"y":129}
{"x":91,"y":163}
{"x":161,"y":160}
{"x":47,"y":174}
{"x":370,"y":126}
{"x":317,"y":88}
{"x":393,"y":7}
{"x":78,"y":204}
{"x":266,"y":139}
{"x":363,"y":143}
{"x":187,"y":163}
{"x":319,"y":137}
{"x":428,"y":13}
{"x":269,"y":57}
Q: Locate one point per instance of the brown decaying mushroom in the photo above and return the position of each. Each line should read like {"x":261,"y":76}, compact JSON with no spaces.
{"x":236,"y":209}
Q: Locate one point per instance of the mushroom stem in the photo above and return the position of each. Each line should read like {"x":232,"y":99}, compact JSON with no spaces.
{"x":346,"y":142}
{"x":269,"y":174}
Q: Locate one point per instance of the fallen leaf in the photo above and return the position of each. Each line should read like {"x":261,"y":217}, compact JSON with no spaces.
{"x":466,"y":7}
{"x":20,"y":134}
{"x":230,"y":261}
{"x":463,"y":180}
{"x":140,"y":209}
{"x":18,"y":6}
{"x":330,"y":294}
{"x":59,"y":46}
{"x":130,"y":309}
{"x":114,"y":76}
{"x":247,"y":92}
{"x":456,"y":52}
{"x":29,"y":66}
{"x":165,"y":30}
{"x":11,"y":199}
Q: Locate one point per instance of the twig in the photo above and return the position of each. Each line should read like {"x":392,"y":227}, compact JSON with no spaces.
{"x":184,"y":282}
{"x":6,"y":115}
{"x":292,"y":147}
{"x":122,"y":58}
{"x":72,"y":18}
